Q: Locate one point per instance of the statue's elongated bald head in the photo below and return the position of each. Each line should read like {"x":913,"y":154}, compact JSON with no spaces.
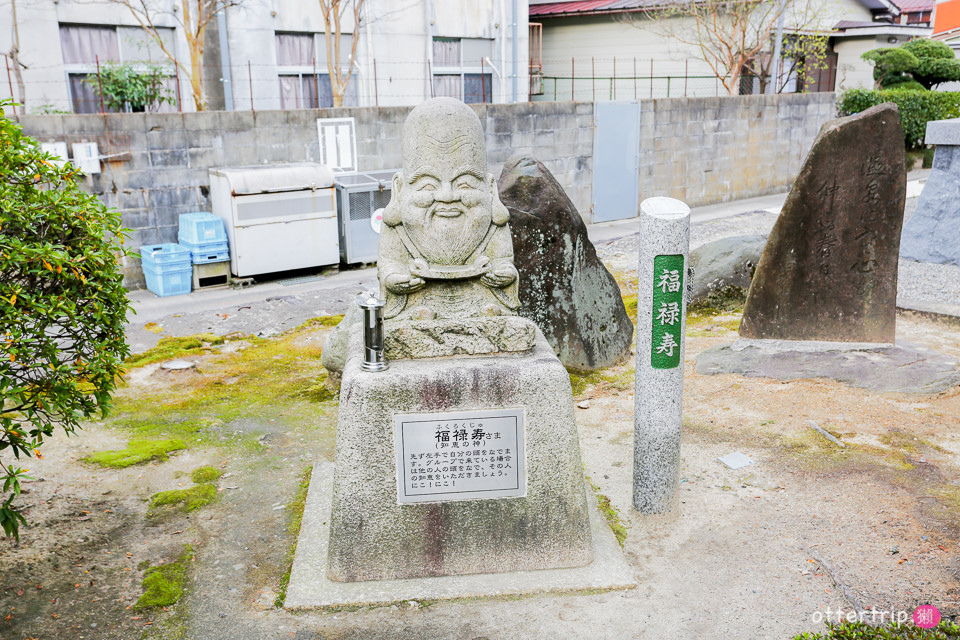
{"x":443,"y":128}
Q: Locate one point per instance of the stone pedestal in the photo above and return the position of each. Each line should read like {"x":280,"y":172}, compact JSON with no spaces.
{"x":373,"y":537}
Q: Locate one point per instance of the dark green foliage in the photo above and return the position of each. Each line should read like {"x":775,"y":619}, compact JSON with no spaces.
{"x":862,"y":631}
{"x":62,"y":304}
{"x":917,"y":108}
{"x":138,"y":85}
{"x":927,"y":62}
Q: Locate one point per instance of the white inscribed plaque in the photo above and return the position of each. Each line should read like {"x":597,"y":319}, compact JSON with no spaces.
{"x":460,"y":455}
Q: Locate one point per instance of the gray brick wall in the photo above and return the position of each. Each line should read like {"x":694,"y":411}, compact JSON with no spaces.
{"x":700,"y":150}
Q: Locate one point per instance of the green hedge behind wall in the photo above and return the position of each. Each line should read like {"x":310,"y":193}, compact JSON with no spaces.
{"x":917,"y":108}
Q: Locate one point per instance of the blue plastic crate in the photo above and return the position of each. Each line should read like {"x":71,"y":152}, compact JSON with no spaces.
{"x":160,"y":255}
{"x":169,"y":281}
{"x":219,"y":255}
{"x":204,"y":252}
{"x":199,"y":228}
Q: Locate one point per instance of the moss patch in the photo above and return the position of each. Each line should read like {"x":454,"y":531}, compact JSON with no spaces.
{"x":295,"y":509}
{"x":163,"y":584}
{"x":322,"y":321}
{"x":617,"y":379}
{"x":205,"y":474}
{"x":137,"y":452}
{"x":630,"y":304}
{"x":612,"y":515}
{"x":237,"y":397}
{"x":173,"y":347}
{"x":186,"y":499}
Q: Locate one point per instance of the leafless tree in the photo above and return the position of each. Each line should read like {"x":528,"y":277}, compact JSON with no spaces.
{"x":14,"y":54}
{"x":734,"y":36}
{"x":340,"y":71}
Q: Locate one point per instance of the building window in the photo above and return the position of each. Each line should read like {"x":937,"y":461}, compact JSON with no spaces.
{"x":302,"y":71}
{"x":461,"y":69}
{"x":84,"y":46}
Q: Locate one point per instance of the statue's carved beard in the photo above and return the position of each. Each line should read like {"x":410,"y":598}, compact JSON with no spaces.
{"x":445,"y":240}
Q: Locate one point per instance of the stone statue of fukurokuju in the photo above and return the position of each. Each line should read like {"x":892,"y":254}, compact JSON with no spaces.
{"x":446,"y":257}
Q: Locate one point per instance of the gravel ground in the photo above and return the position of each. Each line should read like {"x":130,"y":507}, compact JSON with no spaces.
{"x":919,"y":283}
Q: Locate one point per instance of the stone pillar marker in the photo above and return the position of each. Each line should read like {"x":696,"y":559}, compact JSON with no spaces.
{"x":661,"y":325}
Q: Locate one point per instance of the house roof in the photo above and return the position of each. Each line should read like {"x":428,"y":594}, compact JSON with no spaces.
{"x":587,"y":7}
{"x":912,"y":6}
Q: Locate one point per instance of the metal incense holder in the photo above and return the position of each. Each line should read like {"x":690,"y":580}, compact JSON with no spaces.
{"x":373,"y":359}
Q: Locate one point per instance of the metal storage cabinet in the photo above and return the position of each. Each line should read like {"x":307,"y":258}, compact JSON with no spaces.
{"x":278,"y":217}
{"x":358,"y":196}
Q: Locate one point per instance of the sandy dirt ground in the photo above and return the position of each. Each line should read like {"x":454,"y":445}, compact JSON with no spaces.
{"x":753,"y":553}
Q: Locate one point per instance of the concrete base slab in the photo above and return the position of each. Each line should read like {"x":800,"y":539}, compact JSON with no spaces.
{"x":310,"y":588}
{"x":901,"y":368}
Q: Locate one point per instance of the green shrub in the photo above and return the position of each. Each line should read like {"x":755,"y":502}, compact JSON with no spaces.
{"x":917,"y":108}
{"x":890,"y":631}
{"x":62,"y":305}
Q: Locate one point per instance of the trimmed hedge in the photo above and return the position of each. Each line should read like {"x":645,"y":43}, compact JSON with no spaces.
{"x":917,"y":108}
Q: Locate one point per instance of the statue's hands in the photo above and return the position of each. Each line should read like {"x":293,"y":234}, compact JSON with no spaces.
{"x":500,"y":276}
{"x":418,"y":267}
{"x":403,"y":283}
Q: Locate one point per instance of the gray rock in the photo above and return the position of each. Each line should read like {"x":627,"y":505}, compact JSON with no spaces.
{"x":728,"y":262}
{"x":334,"y":354}
{"x":564,"y":287}
{"x":932,"y":234}
{"x":903,"y":368}
{"x":829,"y":268}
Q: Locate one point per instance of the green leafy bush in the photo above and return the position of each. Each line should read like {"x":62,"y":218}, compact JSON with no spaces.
{"x":894,"y":631}
{"x":926,"y":62}
{"x":917,"y":108}
{"x":62,"y":305}
{"x":141,"y":86}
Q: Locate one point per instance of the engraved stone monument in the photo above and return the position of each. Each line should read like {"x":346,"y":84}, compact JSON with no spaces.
{"x":829,"y":268}
{"x":462,"y":457}
{"x":822,"y":303}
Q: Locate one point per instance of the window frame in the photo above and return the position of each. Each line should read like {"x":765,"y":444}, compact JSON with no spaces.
{"x":318,"y":71}
{"x":463,"y":70}
{"x":72,"y":69}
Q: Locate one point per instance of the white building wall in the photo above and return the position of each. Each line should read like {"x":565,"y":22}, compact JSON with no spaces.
{"x":393,"y":54}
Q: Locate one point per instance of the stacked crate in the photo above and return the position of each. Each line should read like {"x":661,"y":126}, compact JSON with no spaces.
{"x":166,"y":268}
{"x":204,"y":235}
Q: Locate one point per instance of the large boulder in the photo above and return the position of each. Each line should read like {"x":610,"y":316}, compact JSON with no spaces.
{"x":564,"y":287}
{"x":829,"y":269}
{"x":728,"y":262}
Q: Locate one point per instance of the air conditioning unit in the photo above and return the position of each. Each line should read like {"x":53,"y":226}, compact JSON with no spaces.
{"x":359,"y":197}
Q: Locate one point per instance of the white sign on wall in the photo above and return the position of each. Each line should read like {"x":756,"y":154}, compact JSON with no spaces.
{"x":460,"y":455}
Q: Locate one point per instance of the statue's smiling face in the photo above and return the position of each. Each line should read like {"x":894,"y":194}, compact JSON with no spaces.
{"x":445,"y":199}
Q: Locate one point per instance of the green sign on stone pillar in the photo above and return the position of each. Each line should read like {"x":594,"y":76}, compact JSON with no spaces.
{"x":667,"y":310}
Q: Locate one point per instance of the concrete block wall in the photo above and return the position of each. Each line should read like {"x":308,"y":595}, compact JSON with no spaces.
{"x":700,"y":150}
{"x":710,"y":150}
